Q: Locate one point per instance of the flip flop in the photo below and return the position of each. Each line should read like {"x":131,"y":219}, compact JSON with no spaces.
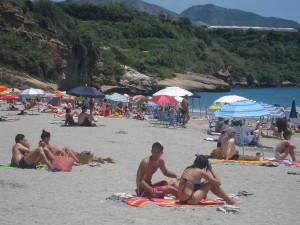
{"x":244,"y":193}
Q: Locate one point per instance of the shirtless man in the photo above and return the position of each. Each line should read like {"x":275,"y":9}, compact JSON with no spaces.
{"x":185,"y":110}
{"x":85,"y":119}
{"x":24,"y":158}
{"x":285,"y":147}
{"x":147,"y":168}
{"x":228,"y":145}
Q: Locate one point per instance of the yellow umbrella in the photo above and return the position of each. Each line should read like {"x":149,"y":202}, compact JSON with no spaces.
{"x":214,"y":107}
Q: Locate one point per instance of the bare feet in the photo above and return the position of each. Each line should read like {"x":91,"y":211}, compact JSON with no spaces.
{"x":110,"y":160}
{"x":101,"y":160}
{"x":232,"y":202}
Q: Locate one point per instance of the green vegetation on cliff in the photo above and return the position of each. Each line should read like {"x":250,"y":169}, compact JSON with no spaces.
{"x":157,"y":46}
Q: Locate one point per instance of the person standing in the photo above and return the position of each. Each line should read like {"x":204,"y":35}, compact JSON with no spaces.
{"x":185,"y":110}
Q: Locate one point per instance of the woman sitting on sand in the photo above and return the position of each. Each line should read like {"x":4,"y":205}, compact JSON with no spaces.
{"x":191,"y":190}
{"x":45,"y":136}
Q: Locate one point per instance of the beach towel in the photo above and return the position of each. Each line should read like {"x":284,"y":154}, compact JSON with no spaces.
{"x":56,"y":121}
{"x":269,"y":162}
{"x":6,"y":165}
{"x":140,"y":201}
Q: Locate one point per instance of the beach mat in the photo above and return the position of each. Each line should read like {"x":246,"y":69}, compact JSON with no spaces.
{"x":140,"y":201}
{"x":266,"y":162}
{"x":6,"y":165}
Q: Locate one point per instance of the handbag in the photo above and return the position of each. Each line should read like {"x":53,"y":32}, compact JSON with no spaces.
{"x":63,"y":162}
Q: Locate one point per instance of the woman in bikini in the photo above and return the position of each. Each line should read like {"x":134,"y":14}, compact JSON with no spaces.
{"x":191,"y":190}
{"x":45,"y":136}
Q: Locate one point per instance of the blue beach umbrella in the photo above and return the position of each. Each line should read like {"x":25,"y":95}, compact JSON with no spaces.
{"x":242,"y":109}
{"x":293,"y":113}
{"x":86,"y":91}
{"x":274,"y":112}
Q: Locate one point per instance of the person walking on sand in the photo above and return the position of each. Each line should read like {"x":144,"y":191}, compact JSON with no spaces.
{"x":285,"y":147}
{"x":24,"y":158}
{"x":147,"y":168}
{"x":191,"y":190}
{"x":185,"y":110}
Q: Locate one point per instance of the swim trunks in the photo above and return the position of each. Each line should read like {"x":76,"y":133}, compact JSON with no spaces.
{"x":23,"y":164}
{"x":140,"y":191}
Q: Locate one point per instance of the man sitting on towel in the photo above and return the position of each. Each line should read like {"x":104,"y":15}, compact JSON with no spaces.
{"x":24,"y":158}
{"x":85,"y":119}
{"x":228,"y":149}
{"x":147,"y":168}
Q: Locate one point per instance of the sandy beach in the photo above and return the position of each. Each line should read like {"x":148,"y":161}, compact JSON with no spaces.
{"x":79,"y":197}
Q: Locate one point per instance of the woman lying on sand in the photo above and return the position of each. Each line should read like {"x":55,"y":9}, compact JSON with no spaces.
{"x":45,"y":136}
{"x":191,"y":190}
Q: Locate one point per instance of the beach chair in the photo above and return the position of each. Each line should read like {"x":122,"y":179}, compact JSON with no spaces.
{"x":210,"y":123}
{"x":239,"y":140}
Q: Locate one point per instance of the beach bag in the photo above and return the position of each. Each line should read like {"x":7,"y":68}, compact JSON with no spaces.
{"x":63,"y":162}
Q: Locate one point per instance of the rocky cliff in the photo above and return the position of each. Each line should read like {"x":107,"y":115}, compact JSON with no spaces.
{"x":71,"y":65}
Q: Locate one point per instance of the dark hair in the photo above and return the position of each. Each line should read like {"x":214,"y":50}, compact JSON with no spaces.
{"x":68,"y":110}
{"x":286,"y":133}
{"x":45,"y":134}
{"x":83,"y":107}
{"x":158,"y":145}
{"x":201,"y":162}
{"x":19,"y":137}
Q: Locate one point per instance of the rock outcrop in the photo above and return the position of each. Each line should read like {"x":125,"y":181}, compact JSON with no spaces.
{"x":196,"y":82}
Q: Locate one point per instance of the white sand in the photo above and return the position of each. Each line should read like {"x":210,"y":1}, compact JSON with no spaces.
{"x":79,"y":197}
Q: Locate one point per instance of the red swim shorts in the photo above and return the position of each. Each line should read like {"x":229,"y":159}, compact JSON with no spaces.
{"x":140,"y":191}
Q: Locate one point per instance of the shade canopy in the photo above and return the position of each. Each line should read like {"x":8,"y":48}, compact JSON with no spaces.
{"x":173,"y":91}
{"x":116,"y":97}
{"x":9,"y":96}
{"x":164,"y":99}
{"x":242,"y":109}
{"x":293,"y":113}
{"x":32,"y":92}
{"x":86,"y":91}
{"x":24,"y":87}
{"x":228,"y":99}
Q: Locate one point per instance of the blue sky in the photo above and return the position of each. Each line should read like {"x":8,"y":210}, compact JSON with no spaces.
{"x":285,"y":9}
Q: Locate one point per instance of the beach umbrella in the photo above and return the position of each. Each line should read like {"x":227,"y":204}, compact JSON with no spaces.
{"x":32,"y":92}
{"x":3,"y":88}
{"x":164,"y":99}
{"x":242,"y":109}
{"x":293,"y":113}
{"x":214,"y":107}
{"x":178,"y":98}
{"x":228,"y":99}
{"x":9,"y":96}
{"x":59,"y":93}
{"x":151,"y":103}
{"x":116,"y":97}
{"x":86,"y":91}
{"x":274,"y":112}
{"x":173,"y":91}
{"x":137,"y":97}
{"x":49,"y":95}
{"x":24,"y":87}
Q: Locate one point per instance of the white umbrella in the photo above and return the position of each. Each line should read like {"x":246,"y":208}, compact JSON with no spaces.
{"x":228,"y":99}
{"x":173,"y":91}
{"x":32,"y":92}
